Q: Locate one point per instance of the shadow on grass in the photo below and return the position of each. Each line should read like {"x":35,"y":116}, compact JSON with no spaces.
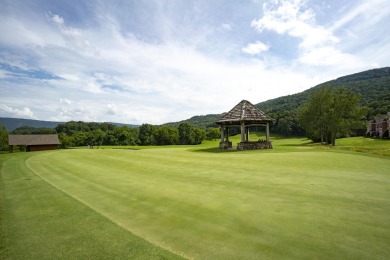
{"x":308,"y":143}
{"x":214,"y":150}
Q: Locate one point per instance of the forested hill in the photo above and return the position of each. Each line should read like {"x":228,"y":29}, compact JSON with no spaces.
{"x":373,"y":86}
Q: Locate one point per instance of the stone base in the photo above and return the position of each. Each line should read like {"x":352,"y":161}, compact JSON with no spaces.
{"x":225,"y":145}
{"x":261,"y":144}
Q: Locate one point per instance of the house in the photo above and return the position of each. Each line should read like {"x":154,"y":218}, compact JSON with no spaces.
{"x":34,"y":142}
{"x":379,"y":126}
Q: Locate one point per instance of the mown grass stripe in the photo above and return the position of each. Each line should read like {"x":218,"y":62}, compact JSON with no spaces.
{"x":44,"y":223}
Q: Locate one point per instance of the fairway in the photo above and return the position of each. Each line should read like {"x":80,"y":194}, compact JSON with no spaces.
{"x":199,"y":203}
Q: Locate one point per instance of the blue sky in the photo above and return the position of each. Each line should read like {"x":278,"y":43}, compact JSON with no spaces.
{"x":161,"y":61}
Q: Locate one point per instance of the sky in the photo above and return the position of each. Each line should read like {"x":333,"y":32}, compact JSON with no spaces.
{"x":136,"y":61}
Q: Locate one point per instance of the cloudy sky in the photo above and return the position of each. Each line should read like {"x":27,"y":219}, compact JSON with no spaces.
{"x":160,"y":61}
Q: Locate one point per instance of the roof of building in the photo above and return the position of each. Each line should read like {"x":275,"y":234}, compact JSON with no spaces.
{"x":246,"y":112}
{"x":33,"y":139}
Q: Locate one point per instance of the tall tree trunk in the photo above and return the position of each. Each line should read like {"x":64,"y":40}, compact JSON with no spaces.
{"x":333,"y":139}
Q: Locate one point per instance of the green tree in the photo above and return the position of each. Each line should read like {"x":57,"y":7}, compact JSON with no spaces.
{"x":166,"y":135}
{"x":330,"y":113}
{"x":3,"y":138}
{"x":213,"y":134}
{"x":95,"y":137}
{"x":65,"y":140}
{"x":79,"y":138}
{"x":314,"y":115}
{"x":186,"y":134}
{"x":146,"y":134}
{"x":199,"y":135}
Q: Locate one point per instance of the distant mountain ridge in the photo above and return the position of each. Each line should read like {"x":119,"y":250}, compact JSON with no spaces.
{"x":14,"y":123}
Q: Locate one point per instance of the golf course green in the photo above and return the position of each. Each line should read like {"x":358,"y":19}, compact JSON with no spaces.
{"x":296,"y":201}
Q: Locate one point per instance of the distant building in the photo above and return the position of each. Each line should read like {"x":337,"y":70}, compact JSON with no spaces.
{"x":379,"y":126}
{"x":34,"y":142}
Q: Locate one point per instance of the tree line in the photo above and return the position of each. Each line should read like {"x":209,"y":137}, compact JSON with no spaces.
{"x":73,"y":134}
{"x":96,"y":134}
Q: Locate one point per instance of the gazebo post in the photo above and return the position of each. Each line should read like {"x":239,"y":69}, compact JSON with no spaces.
{"x":247,"y":134}
{"x":267,"y":131}
{"x":227,"y":134}
{"x":242,"y":132}
{"x":222,"y":134}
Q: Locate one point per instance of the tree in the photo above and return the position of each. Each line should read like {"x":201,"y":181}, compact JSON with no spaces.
{"x":330,"y":113}
{"x":186,"y":135}
{"x":65,"y":140}
{"x":3,"y":138}
{"x":199,"y":135}
{"x":213,"y":134}
{"x":95,"y":137}
{"x":314,"y":114}
{"x":166,"y":135}
{"x":146,"y":134}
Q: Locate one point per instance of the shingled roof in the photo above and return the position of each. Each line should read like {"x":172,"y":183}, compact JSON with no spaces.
{"x":33,"y":139}
{"x":246,"y":112}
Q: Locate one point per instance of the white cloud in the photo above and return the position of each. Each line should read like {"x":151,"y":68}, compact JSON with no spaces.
{"x":24,"y":112}
{"x":57,"y":19}
{"x":329,"y":57}
{"x":255,"y":48}
{"x":371,"y":12}
{"x":319,"y":46}
{"x":295,"y":19}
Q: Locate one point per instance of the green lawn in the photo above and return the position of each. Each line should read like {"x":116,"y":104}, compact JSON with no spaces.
{"x":293,"y":202}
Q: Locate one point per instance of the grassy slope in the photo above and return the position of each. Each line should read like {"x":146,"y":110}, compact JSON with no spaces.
{"x":292,"y":202}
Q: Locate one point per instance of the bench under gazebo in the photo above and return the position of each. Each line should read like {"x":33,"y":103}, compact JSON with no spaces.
{"x":244,"y":115}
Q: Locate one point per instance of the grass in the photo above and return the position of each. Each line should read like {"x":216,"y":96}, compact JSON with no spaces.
{"x":40,"y":222}
{"x":295,"y":201}
{"x":365,"y":145}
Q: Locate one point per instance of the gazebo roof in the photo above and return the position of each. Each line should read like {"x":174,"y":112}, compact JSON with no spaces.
{"x":245,"y":112}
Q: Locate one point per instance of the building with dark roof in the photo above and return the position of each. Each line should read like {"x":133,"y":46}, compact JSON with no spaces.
{"x":34,"y":142}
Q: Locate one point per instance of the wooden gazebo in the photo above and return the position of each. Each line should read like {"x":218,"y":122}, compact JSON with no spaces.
{"x":244,"y":115}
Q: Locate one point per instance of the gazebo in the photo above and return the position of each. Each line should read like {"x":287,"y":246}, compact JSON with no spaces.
{"x":244,"y":115}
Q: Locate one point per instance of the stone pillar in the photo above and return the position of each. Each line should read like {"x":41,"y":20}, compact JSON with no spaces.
{"x":247,"y":134}
{"x":267,"y":132}
{"x":222,"y":134}
{"x":242,"y":132}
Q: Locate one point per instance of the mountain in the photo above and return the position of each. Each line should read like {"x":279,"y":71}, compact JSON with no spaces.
{"x":373,"y":86}
{"x":14,"y":123}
